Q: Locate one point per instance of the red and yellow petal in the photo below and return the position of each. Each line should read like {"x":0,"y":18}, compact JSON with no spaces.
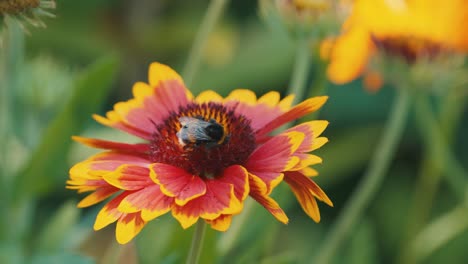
{"x":285,"y":103}
{"x":176,"y":182}
{"x":306,"y":200}
{"x":260,"y":185}
{"x":170,"y":87}
{"x":109,"y":213}
{"x":243,"y":96}
{"x":159,"y":73}
{"x":88,"y":175}
{"x":310,"y":185}
{"x":152,"y":103}
{"x":219,"y":199}
{"x":258,"y":194}
{"x":221,"y":223}
{"x":318,"y":143}
{"x":298,"y":111}
{"x":275,"y":156}
{"x":106,"y":162}
{"x":311,"y":130}
{"x":111,"y":145}
{"x":239,"y":178}
{"x":269,"y":180}
{"x":129,"y":177}
{"x":270,"y":99}
{"x":150,"y":201}
{"x":261,"y":111}
{"x":128,"y":226}
{"x":134,"y":113}
{"x":84,"y":182}
{"x":306,"y":160}
{"x":309,"y":172}
{"x":112,"y":119}
{"x":158,"y":205}
{"x":97,"y":196}
{"x":208,"y":96}
{"x":306,"y":185}
{"x":87,"y":183}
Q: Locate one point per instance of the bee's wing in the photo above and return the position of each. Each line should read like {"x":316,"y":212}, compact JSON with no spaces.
{"x":199,"y":132}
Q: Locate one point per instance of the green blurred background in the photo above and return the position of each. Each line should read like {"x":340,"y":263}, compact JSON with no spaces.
{"x":87,"y":59}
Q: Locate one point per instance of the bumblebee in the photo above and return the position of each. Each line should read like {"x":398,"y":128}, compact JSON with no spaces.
{"x":197,"y":131}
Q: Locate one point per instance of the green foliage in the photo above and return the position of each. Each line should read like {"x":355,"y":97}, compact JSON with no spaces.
{"x":61,"y":258}
{"x":53,"y":234}
{"x":48,"y":241}
{"x":89,"y":93}
{"x":48,"y":100}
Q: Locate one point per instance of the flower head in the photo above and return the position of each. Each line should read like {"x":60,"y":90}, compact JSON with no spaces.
{"x":30,"y":11}
{"x":200,"y":157}
{"x":303,"y":9}
{"x":411,"y":30}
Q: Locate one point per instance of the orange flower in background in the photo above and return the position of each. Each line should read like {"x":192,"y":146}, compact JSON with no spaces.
{"x":201,"y":157}
{"x":409,"y":29}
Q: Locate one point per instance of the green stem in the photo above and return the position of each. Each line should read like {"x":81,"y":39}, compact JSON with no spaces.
{"x":197,"y":242}
{"x":319,"y":86}
{"x":438,"y":148}
{"x":4,"y":109}
{"x":229,"y":239}
{"x":214,"y":12}
{"x":436,"y":234}
{"x":302,"y":62}
{"x":4,"y":133}
{"x":11,"y":59}
{"x":430,"y":173}
{"x":320,"y":82}
{"x":372,"y":180}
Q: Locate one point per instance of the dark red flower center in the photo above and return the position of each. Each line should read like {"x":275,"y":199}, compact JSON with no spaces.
{"x":409,"y":48}
{"x":203,"y":139}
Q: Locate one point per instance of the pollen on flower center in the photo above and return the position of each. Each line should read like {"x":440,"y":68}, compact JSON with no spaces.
{"x":203,"y":139}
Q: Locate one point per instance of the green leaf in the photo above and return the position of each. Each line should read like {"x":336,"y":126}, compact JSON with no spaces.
{"x":21,"y":217}
{"x":179,"y":244}
{"x":362,"y":247}
{"x":264,"y":73}
{"x":52,"y":236}
{"x":352,"y":153}
{"x":11,"y":253}
{"x":209,"y":252}
{"x":42,"y":88}
{"x":173,"y":243}
{"x":154,"y":238}
{"x":47,"y":167}
{"x":61,"y":258}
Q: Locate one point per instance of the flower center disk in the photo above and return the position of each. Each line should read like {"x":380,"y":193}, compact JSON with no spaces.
{"x":409,"y":48}
{"x":203,"y":139}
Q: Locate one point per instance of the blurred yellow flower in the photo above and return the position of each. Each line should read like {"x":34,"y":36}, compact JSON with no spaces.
{"x":411,"y":30}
